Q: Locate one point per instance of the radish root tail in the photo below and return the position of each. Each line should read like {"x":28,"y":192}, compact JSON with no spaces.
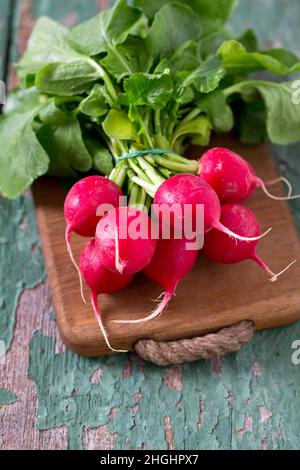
{"x":100,"y":323}
{"x":219,"y":226}
{"x":272,"y":276}
{"x":289,"y":197}
{"x":69,"y":248}
{"x":154,"y":314}
{"x":278,"y":180}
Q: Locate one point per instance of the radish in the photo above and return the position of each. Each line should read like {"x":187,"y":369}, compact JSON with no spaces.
{"x":100,"y":281}
{"x":171,"y":262}
{"x":185,"y":190}
{"x":220,"y":248}
{"x":125,"y":240}
{"x":81,"y":206}
{"x":232,"y":177}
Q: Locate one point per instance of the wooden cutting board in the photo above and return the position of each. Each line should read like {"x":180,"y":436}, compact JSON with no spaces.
{"x":211,"y":297}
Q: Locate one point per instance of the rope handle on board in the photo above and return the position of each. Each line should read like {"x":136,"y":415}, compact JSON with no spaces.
{"x":219,"y":344}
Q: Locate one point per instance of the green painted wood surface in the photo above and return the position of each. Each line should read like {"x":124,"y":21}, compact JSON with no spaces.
{"x":7,"y":397}
{"x":248,"y":401}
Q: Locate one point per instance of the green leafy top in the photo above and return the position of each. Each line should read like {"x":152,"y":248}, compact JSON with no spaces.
{"x":48,"y":44}
{"x":104,"y":32}
{"x":140,"y":75}
{"x":153,"y":91}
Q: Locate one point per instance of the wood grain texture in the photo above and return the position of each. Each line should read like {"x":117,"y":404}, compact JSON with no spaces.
{"x":249,"y":400}
{"x":210,"y":298}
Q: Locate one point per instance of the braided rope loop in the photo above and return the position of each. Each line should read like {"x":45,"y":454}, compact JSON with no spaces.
{"x":219,"y":344}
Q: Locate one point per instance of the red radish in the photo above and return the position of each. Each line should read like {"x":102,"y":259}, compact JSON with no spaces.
{"x":170,"y":264}
{"x":125,"y":240}
{"x":81,"y":206}
{"x":100,"y":281}
{"x":232,"y":177}
{"x":220,"y":248}
{"x":190,"y":190}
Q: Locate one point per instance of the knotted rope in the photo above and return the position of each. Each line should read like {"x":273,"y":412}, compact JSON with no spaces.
{"x":219,"y":344}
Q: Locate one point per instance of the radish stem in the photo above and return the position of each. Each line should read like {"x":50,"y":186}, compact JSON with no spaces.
{"x":149,"y":188}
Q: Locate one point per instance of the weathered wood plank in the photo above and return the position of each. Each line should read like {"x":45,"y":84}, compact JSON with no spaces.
{"x":5,"y":12}
{"x":250,"y":400}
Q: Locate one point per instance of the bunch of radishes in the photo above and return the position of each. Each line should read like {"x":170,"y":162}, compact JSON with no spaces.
{"x":110,"y":260}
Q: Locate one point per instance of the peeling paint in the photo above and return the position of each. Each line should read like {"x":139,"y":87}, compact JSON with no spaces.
{"x":139,"y":411}
{"x":24,"y":224}
{"x":138,"y":361}
{"x":96,"y":376}
{"x":137,"y":398}
{"x":169,"y":433}
{"x":52,"y":314}
{"x":248,"y":427}
{"x":7,"y":397}
{"x":57,"y":406}
{"x":173,"y":378}
{"x":216,"y":365}
{"x":113,"y":413}
{"x":19,"y":431}
{"x":256,"y":369}
{"x":229,"y":398}
{"x":265,"y":414}
{"x":127,"y":372}
{"x":18,"y":256}
{"x":98,"y":439}
{"x":201,"y":413}
{"x":264,"y":444}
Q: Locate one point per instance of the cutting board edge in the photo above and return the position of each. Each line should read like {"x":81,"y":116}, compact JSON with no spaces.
{"x":76,"y":342}
{"x":84,"y":349}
